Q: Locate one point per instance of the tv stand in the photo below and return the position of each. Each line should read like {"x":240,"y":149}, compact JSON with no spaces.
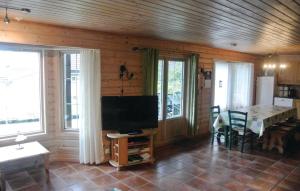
{"x":131,"y":149}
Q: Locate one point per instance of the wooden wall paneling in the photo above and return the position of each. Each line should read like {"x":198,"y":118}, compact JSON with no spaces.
{"x":256,"y":14}
{"x":288,"y":75}
{"x":174,"y":129}
{"x":134,"y":12}
{"x":297,"y":72}
{"x":159,"y":137}
{"x":115,"y":50}
{"x":190,"y":10}
{"x":291,"y":6}
{"x":271,"y":10}
{"x":257,"y":26}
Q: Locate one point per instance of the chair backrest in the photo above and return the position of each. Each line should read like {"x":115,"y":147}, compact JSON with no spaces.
{"x":238,"y":120}
{"x":214,"y":112}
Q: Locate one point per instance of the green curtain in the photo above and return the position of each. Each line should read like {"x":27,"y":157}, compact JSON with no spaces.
{"x":150,"y":69}
{"x":192,"y":94}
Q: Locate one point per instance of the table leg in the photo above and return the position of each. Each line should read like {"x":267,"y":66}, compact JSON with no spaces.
{"x":280,"y":145}
{"x":46,"y":164}
{"x":226,"y":136}
{"x":272,"y":142}
{"x":266,"y":139}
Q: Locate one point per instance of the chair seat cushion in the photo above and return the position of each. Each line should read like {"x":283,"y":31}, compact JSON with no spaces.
{"x":241,"y":131}
{"x":222,"y":129}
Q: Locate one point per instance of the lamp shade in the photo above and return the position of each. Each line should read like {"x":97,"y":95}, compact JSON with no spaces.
{"x":20,"y":138}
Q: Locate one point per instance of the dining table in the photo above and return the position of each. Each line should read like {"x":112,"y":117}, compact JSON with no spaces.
{"x":260,"y":117}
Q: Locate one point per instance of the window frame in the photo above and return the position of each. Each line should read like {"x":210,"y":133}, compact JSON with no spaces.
{"x":42,"y":91}
{"x":160,"y":118}
{"x":252,"y":84}
{"x":165,"y":79}
{"x":62,"y":81}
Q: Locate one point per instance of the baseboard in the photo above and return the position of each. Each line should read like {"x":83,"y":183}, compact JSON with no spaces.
{"x":195,"y":138}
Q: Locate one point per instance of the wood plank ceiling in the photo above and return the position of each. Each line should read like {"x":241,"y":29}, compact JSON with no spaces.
{"x":256,"y":26}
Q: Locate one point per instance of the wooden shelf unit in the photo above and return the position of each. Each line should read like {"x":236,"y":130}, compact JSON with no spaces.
{"x":121,"y":143}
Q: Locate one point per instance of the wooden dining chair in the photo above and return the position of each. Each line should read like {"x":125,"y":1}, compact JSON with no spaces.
{"x":238,"y":129}
{"x":214,"y":112}
{"x":2,"y":182}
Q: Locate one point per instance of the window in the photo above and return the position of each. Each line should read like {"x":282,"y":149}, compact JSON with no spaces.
{"x":170,"y":88}
{"x":20,"y":92}
{"x":221,"y":85}
{"x":71,"y":73}
{"x":175,"y":89}
{"x":233,"y":87}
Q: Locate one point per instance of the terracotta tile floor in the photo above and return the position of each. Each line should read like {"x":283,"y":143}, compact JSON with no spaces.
{"x":180,"y":167}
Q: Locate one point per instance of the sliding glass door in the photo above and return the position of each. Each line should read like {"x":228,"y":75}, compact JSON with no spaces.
{"x":171,"y":96}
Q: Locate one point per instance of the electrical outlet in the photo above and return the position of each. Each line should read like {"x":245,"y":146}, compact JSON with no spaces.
{"x":107,"y":151}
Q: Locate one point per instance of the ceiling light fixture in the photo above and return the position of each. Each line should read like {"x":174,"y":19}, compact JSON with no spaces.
{"x":25,"y":10}
{"x":6,"y":19}
{"x":233,"y":44}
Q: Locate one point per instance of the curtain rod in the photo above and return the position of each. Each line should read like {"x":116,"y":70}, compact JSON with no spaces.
{"x":136,"y":49}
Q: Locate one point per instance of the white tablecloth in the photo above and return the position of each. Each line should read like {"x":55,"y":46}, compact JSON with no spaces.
{"x":260,"y":117}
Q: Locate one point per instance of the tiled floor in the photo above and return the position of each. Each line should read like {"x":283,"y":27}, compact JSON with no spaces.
{"x":184,"y":167}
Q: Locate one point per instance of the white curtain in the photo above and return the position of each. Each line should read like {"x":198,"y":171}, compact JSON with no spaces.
{"x":233,"y":86}
{"x":90,"y":136}
{"x":241,"y":82}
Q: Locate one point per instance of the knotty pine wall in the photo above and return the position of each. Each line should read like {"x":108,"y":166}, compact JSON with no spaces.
{"x":115,"y":50}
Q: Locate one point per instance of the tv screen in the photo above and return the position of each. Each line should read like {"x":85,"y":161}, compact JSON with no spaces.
{"x":128,"y":113}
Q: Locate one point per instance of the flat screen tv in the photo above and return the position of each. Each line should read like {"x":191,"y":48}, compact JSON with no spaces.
{"x":129,"y":113}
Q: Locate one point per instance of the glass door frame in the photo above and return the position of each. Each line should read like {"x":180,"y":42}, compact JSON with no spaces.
{"x":165,"y":79}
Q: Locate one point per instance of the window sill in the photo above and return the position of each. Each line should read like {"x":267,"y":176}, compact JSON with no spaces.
{"x":170,"y":119}
{"x":70,"y":130}
{"x":30,"y":137}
